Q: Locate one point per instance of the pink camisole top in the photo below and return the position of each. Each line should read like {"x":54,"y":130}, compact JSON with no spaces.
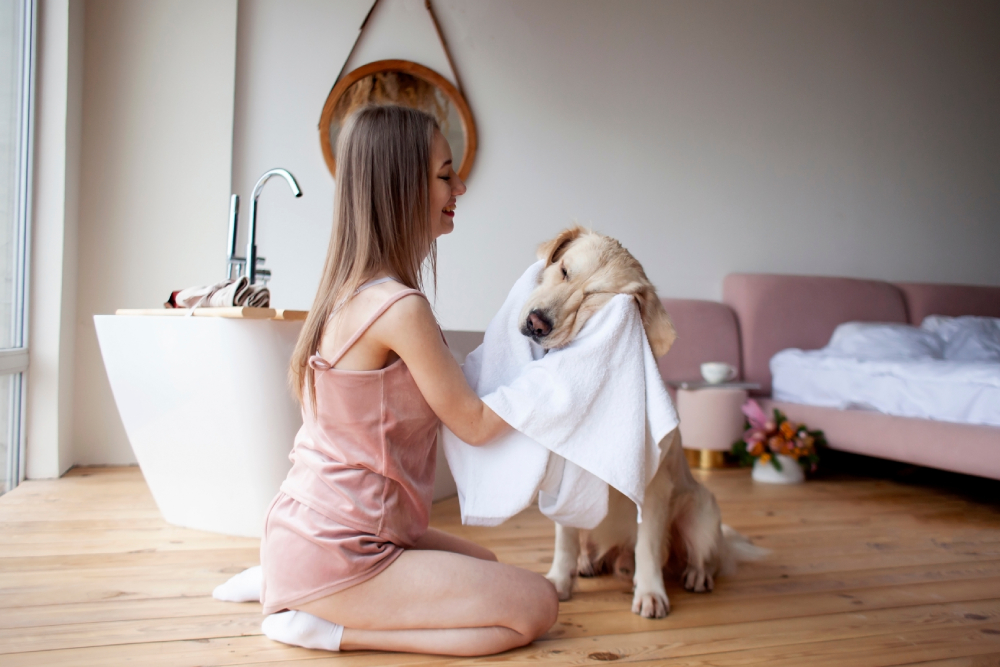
{"x":366,"y":458}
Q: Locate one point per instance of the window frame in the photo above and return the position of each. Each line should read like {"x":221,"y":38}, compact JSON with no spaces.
{"x":14,"y":360}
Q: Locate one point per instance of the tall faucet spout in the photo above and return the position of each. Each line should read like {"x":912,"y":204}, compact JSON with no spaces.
{"x":251,"y":255}
{"x":268,"y":175}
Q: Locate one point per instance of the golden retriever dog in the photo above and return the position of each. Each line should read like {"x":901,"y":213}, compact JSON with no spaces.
{"x":682,"y":526}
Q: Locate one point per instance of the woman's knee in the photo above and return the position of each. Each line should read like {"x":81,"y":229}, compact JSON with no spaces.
{"x":551,"y":605}
{"x":544,"y":609}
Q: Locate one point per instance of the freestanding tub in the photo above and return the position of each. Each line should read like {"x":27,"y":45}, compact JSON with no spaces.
{"x":207,"y":408}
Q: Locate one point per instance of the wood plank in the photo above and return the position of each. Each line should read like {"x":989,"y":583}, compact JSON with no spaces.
{"x":292,"y":315}
{"x":233,"y":312}
{"x":863,"y":572}
{"x":872,"y":628}
{"x":612,"y":614}
{"x":119,"y":609}
{"x":236,"y":312}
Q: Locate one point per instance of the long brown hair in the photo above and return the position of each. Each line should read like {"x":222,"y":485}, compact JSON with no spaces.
{"x":381,"y":218}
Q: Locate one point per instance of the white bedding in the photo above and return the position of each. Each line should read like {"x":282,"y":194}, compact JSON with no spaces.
{"x":947,"y":390}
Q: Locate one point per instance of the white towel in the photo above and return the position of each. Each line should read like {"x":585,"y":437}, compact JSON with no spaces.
{"x":224,"y":294}
{"x":588,"y":415}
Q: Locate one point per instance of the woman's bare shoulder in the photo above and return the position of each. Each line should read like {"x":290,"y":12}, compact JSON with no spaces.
{"x":409,"y":310}
{"x":367,"y":302}
{"x":363,"y":306}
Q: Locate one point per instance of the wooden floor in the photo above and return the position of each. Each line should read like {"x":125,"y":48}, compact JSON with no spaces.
{"x":863,"y":572}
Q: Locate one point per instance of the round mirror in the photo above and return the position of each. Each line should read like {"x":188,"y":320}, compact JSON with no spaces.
{"x":409,"y":84}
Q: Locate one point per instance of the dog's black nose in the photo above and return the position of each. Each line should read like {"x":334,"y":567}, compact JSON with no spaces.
{"x":538,"y":325}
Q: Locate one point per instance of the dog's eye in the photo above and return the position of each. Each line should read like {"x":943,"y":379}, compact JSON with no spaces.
{"x":565,"y":275}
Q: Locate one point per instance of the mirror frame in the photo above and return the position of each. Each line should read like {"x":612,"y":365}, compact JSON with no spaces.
{"x":417,"y":70}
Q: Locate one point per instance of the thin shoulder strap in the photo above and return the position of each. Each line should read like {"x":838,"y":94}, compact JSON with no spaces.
{"x":325,"y":364}
{"x":370,"y":283}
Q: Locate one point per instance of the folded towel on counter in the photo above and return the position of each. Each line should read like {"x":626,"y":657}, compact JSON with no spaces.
{"x":228,"y":293}
{"x":586,"y":416}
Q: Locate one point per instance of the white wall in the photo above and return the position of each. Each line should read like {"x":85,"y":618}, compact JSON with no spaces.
{"x":838,"y":137}
{"x":52,"y":283}
{"x":831,"y":137}
{"x":156,"y":170}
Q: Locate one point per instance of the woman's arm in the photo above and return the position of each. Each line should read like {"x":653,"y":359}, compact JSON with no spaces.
{"x":409,"y":329}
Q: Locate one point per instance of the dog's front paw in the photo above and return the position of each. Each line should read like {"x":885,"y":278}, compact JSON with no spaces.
{"x":698,"y":580}
{"x":650,"y":604}
{"x":563,"y":584}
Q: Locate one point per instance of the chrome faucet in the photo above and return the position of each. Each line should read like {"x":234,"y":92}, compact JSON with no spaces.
{"x":250,"y":260}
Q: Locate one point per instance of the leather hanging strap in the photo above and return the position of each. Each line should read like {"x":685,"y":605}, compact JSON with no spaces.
{"x":444,"y":45}
{"x":356,"y":40}
{"x":437,"y":29}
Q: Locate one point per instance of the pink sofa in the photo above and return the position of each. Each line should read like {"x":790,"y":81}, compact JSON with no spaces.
{"x":762,"y":314}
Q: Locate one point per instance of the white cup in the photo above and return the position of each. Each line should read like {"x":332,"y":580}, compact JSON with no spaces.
{"x":715,"y":372}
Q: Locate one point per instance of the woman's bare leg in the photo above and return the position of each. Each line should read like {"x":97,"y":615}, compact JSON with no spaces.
{"x":438,"y":540}
{"x":441,"y":602}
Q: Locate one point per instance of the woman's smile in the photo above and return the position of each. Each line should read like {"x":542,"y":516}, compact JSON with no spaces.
{"x":445,"y":186}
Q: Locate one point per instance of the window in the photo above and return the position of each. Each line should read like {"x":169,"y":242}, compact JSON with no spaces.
{"x":16,"y":80}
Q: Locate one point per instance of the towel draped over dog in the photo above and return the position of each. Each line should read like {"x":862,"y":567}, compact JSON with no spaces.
{"x":591,"y":414}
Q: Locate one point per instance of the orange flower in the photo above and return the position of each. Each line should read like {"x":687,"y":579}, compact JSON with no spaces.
{"x":775,"y":443}
{"x":764,"y":458}
{"x":788,"y":429}
{"x":756,"y":448}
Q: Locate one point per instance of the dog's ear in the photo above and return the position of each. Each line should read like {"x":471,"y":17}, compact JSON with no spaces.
{"x":550,"y":251}
{"x":659,"y":329}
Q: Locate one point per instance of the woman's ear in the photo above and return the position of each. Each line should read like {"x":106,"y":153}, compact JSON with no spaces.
{"x":550,"y":251}
{"x":659,"y":329}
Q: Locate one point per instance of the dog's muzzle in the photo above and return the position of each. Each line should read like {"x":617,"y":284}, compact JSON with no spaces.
{"x":536,"y":325}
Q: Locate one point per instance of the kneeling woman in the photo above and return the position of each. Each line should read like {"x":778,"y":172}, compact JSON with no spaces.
{"x":347,"y":538}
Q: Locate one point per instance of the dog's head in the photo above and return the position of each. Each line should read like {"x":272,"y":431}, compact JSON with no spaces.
{"x":583,"y":271}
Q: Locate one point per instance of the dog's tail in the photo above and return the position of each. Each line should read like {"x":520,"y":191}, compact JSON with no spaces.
{"x":738,"y":549}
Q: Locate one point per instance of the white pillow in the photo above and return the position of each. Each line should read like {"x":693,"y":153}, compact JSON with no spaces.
{"x":966,"y":338}
{"x":880,"y":340}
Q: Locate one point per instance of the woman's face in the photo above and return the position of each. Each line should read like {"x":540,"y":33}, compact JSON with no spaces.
{"x":445,"y":187}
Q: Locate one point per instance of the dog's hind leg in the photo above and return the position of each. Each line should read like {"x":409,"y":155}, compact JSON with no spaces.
{"x":562,"y":574}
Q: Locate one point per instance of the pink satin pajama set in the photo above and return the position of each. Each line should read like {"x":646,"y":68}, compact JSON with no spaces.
{"x":359,"y":491}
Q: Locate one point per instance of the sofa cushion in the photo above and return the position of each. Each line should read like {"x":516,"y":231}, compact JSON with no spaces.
{"x":706,"y":331}
{"x":776,"y":312}
{"x":923,"y":299}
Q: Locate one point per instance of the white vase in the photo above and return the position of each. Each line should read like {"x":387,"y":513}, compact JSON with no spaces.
{"x":790,"y":473}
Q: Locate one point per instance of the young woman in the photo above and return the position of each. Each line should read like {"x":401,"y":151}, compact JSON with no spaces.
{"x":347,"y":538}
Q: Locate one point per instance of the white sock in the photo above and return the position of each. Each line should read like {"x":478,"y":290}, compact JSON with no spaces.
{"x":301,"y":629}
{"x":244,"y":587}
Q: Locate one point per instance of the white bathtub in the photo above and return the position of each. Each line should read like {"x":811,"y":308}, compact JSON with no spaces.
{"x":207,"y":408}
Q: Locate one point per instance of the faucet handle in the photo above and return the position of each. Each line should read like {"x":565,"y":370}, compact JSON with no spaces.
{"x":235,"y":268}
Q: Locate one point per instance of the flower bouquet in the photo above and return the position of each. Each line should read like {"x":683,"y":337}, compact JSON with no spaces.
{"x":779,"y":449}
